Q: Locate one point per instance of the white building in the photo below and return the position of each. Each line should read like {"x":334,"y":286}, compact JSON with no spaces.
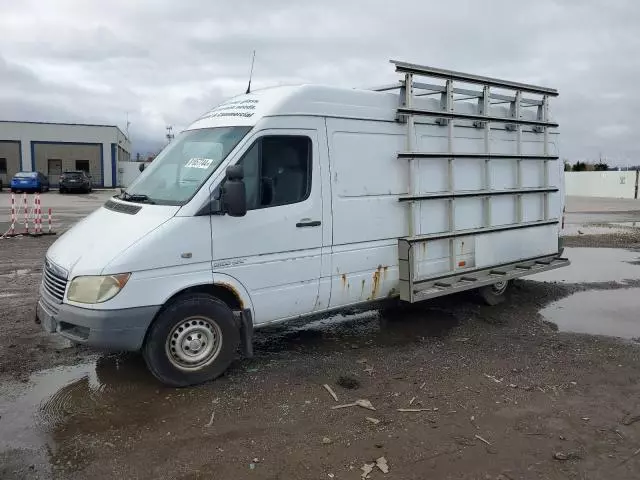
{"x":52,"y":148}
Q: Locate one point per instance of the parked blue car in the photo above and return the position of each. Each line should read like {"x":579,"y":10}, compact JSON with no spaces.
{"x":29,"y":182}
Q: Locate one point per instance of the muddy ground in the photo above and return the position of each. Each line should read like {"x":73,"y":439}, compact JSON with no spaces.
{"x":610,"y":238}
{"x":507,"y":397}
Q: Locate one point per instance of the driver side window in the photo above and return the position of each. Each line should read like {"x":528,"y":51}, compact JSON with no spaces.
{"x":277,"y":171}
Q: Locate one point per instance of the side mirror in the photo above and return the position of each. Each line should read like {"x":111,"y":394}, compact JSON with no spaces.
{"x":234,"y":196}
{"x":141,"y":167}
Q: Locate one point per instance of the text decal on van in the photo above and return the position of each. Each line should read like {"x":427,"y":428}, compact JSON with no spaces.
{"x":238,"y":108}
{"x":199,"y":163}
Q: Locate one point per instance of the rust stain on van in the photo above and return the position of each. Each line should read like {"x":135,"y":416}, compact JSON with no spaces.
{"x":232,"y":289}
{"x":375,"y":286}
{"x":362,"y":291}
{"x":343,"y":279}
{"x":423,"y":246}
{"x":461,"y":247}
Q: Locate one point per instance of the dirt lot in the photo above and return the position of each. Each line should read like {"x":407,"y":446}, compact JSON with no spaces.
{"x":507,"y":395}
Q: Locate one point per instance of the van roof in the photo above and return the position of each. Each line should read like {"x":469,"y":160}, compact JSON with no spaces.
{"x":316,"y":100}
{"x":324,"y":101}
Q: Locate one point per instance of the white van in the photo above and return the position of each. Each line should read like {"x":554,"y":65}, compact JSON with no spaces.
{"x":302,"y":200}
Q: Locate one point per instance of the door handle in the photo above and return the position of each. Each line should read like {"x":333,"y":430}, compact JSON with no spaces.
{"x":309,"y":223}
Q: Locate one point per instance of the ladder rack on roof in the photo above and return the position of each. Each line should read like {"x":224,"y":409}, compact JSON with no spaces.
{"x":412,"y":287}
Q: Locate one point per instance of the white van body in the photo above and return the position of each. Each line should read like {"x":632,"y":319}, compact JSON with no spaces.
{"x":359,"y":231}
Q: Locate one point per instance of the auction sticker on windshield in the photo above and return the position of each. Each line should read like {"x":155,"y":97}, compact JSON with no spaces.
{"x":199,"y":163}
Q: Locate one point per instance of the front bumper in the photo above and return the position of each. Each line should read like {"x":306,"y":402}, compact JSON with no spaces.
{"x":116,"y":330}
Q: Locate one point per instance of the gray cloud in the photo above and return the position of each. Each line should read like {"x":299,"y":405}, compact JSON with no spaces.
{"x":166,"y":63}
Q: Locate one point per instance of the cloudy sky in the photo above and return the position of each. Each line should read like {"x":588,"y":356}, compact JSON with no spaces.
{"x":166,"y":61}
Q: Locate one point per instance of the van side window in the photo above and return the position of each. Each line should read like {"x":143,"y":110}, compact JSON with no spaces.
{"x":277,"y":171}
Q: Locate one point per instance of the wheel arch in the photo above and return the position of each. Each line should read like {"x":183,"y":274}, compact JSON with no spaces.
{"x":224,"y":292}
{"x":224,"y":287}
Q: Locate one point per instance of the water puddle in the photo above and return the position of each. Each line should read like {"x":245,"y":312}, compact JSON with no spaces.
{"x":608,"y":312}
{"x":593,"y":265}
{"x":38,"y":404}
{"x":59,"y":401}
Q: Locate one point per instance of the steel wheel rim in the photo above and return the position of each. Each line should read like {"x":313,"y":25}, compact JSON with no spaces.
{"x":194,"y":343}
{"x":500,"y":287}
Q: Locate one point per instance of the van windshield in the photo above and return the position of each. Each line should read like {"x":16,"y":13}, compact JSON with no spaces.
{"x":179,"y":171}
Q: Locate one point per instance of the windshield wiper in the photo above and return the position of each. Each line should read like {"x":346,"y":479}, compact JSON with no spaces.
{"x":136,"y":197}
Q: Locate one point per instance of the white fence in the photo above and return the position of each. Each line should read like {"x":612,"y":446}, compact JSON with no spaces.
{"x":602,"y":184}
{"x":128,"y":172}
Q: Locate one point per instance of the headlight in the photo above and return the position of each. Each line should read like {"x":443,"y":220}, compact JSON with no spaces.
{"x":96,"y":289}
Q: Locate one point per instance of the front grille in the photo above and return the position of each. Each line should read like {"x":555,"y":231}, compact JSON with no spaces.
{"x":49,"y":304}
{"x":122,"y":208}
{"x":54,"y":282}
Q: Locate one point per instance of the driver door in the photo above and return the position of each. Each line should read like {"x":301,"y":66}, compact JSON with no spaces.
{"x":274,"y":251}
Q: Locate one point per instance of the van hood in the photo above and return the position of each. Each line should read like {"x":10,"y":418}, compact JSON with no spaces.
{"x":89,"y":246}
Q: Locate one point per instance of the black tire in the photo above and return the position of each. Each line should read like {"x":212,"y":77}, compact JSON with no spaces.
{"x":61,"y":190}
{"x":13,"y":190}
{"x":494,"y":294}
{"x":199,"y":313}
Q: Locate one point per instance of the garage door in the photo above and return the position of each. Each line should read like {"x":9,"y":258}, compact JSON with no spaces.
{"x":70,"y":156}
{"x":9,"y":160}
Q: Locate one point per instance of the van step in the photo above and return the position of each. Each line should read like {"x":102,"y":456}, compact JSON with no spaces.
{"x":424,"y":289}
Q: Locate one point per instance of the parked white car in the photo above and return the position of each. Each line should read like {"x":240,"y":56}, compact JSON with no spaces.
{"x":304,"y":200}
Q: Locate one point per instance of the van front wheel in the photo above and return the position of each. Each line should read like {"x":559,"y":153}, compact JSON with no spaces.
{"x":192,"y":341}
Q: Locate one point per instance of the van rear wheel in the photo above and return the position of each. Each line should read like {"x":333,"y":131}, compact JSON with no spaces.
{"x":192,"y":341}
{"x":494,"y":294}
